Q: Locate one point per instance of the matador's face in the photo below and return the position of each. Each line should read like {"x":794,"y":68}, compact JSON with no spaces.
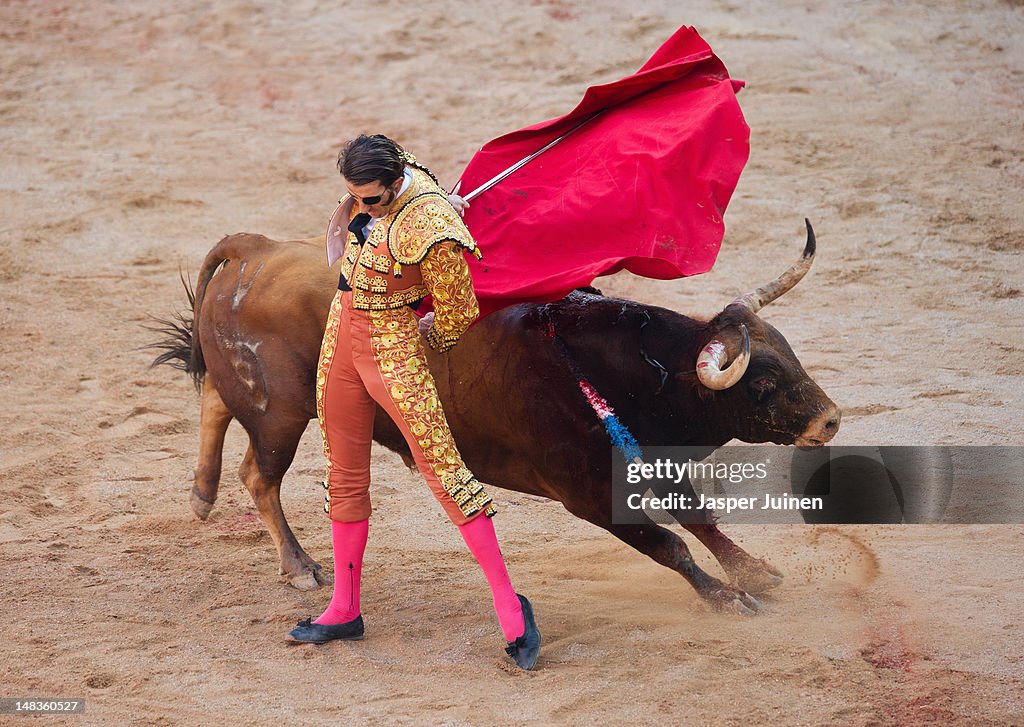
{"x":375,"y":199}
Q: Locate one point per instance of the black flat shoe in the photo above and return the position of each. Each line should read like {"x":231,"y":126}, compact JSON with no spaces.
{"x":525,"y":649}
{"x":310,"y":633}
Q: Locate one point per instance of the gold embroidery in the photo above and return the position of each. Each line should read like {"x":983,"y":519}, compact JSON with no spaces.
{"x":401,"y":359}
{"x":424,"y":219}
{"x":330,"y":341}
{"x":446,"y":275}
{"x":360,"y":281}
{"x":362,"y":300}
{"x":348,"y":261}
{"x":382,"y":263}
{"x":422,"y":223}
{"x":378,"y":234}
{"x":467,"y":492}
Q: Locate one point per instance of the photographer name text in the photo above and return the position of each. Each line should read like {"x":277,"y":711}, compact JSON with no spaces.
{"x":726,"y":504}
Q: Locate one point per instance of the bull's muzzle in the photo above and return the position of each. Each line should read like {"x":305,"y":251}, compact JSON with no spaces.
{"x":821,"y":428}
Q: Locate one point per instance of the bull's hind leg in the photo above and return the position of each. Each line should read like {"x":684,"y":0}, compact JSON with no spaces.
{"x":214,"y":418}
{"x":262,"y":477}
{"x":754,"y":575}
{"x":668,"y":549}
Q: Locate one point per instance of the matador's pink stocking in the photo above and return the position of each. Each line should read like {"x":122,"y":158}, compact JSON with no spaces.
{"x":349,"y":541}
{"x":483,"y":544}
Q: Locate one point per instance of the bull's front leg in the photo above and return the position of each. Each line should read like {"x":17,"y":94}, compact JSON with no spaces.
{"x":754,"y":575}
{"x":668,"y":549}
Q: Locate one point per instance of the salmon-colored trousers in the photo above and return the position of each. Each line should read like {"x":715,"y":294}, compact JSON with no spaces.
{"x":377,"y":357}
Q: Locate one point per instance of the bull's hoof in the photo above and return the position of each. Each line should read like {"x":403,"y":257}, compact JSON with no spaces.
{"x":753,"y":575}
{"x":732,"y":600}
{"x":200,"y":506}
{"x":308,"y":579}
{"x":304,"y":581}
{"x":758,"y":580}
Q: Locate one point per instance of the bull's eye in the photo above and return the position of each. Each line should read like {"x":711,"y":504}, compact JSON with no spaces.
{"x":762,"y":387}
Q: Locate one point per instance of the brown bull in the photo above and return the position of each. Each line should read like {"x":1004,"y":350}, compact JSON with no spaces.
{"x":510,"y":390}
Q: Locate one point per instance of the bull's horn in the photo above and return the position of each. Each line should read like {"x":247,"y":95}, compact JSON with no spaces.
{"x":711,"y":358}
{"x":764,"y":295}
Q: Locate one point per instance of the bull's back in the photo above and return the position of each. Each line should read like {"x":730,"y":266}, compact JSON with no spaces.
{"x":261,"y":321}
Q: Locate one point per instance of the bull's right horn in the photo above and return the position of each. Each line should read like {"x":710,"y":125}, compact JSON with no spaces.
{"x":758,"y":299}
{"x":711,"y":358}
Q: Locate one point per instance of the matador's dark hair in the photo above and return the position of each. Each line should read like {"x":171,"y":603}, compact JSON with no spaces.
{"x":376,"y":158}
{"x":368,"y":159}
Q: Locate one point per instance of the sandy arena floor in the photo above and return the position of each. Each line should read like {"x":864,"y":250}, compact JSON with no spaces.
{"x":135,"y":136}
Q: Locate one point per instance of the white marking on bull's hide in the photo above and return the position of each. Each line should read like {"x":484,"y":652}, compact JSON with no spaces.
{"x":243,"y":287}
{"x":230,"y":344}
{"x":242,"y":356}
{"x":249,"y":375}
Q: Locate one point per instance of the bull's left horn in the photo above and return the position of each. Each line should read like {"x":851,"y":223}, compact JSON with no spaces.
{"x":711,"y":358}
{"x":758,"y":299}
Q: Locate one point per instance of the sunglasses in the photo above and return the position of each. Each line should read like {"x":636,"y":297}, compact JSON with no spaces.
{"x":375,"y":199}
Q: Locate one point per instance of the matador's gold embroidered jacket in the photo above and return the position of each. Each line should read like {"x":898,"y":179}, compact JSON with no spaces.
{"x":415,"y":251}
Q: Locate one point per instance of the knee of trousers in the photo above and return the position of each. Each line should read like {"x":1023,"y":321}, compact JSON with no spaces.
{"x":346,"y":503}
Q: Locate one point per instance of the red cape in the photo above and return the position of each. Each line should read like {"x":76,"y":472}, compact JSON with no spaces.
{"x":641,"y":187}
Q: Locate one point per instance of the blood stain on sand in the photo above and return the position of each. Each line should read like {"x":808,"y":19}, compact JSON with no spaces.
{"x":886,"y":647}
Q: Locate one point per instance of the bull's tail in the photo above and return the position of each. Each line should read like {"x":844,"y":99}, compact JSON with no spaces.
{"x":181,"y":347}
{"x":177,"y":344}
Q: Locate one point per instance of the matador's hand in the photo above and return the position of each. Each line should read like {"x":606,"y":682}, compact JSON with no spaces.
{"x":459,"y":204}
{"x":426,"y":322}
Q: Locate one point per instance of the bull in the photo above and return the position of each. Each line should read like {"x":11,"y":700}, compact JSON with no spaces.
{"x":511,"y":391}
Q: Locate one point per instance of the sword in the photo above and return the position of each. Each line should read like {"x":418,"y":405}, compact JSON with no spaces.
{"x":522,"y":162}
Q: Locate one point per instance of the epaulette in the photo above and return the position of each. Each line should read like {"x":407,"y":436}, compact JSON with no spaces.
{"x":425,"y":221}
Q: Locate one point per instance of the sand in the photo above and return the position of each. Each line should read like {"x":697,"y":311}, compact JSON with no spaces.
{"x":135,"y":136}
